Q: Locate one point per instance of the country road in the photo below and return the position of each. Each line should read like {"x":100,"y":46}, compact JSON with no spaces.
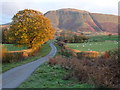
{"x":15,"y":76}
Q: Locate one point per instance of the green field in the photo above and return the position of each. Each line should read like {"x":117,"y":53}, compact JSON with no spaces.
{"x":45,"y":49}
{"x":12,"y":47}
{"x":94,"y":46}
{"x":104,"y":37}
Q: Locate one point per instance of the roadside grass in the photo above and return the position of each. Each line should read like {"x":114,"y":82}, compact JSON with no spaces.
{"x":47,"y":76}
{"x":51,"y":77}
{"x":11,"y":47}
{"x":94,"y":46}
{"x":104,"y":37}
{"x":45,"y":49}
{"x":58,"y":50}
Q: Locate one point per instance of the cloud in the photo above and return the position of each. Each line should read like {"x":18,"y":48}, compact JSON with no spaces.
{"x":10,"y":7}
{"x":102,"y":6}
{"x":33,"y":1}
{"x":92,"y":5}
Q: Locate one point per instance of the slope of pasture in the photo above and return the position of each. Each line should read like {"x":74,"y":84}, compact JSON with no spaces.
{"x":104,"y":37}
{"x":94,"y":46}
{"x":11,"y":47}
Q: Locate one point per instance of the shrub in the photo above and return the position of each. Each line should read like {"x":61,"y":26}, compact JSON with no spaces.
{"x":74,"y":50}
{"x":3,"y":52}
{"x":105,"y":55}
{"x":80,"y":55}
{"x":113,"y":54}
{"x":100,"y":72}
{"x":15,"y":56}
{"x":72,"y":37}
{"x":25,"y":54}
{"x":52,"y":61}
{"x":61,"y":44}
{"x":33,"y":51}
{"x":87,"y":54}
{"x":66,"y":53}
{"x":12,"y":57}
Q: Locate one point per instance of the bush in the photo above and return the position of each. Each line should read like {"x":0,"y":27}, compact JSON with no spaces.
{"x":52,"y":61}
{"x":3,"y":52}
{"x":72,"y":37}
{"x":66,"y":53}
{"x":60,"y":43}
{"x":33,"y":51}
{"x":87,"y":54}
{"x":12,"y":57}
{"x":100,"y":72}
{"x":15,"y":56}
{"x":113,"y":54}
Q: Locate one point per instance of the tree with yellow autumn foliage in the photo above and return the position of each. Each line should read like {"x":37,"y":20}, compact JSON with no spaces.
{"x":30,"y":28}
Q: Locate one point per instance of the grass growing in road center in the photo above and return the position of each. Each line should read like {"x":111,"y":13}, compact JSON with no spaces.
{"x":45,"y":49}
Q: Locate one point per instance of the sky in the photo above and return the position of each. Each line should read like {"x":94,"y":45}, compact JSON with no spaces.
{"x":10,"y":7}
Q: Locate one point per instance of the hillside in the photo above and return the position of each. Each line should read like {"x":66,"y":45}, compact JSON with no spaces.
{"x":79,"y":20}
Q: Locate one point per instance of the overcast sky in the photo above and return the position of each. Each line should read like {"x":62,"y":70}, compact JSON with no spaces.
{"x":10,"y":7}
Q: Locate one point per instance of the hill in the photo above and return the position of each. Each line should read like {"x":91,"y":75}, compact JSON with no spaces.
{"x":82,"y":21}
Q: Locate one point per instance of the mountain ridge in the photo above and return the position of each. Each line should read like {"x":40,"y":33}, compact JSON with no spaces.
{"x":81,"y":20}
{"x":73,"y":9}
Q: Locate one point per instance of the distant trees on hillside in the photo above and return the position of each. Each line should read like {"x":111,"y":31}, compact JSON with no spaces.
{"x":30,"y":28}
{"x":71,"y":37}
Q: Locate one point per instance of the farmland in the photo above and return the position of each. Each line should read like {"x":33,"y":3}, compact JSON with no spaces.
{"x":11,"y":47}
{"x":94,"y":46}
{"x":104,"y":37}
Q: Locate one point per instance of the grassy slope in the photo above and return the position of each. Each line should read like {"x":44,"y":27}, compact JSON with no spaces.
{"x":45,"y":49}
{"x":11,"y":47}
{"x":94,"y":46}
{"x":51,"y":77}
{"x":104,"y":37}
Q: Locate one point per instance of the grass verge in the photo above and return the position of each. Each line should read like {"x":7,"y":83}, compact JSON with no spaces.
{"x":58,"y":50}
{"x":45,"y":49}
{"x":51,"y":77}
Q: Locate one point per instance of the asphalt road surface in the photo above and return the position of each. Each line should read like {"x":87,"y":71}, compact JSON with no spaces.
{"x":14,"y":77}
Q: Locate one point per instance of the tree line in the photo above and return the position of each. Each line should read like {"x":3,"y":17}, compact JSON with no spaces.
{"x":71,"y":37}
